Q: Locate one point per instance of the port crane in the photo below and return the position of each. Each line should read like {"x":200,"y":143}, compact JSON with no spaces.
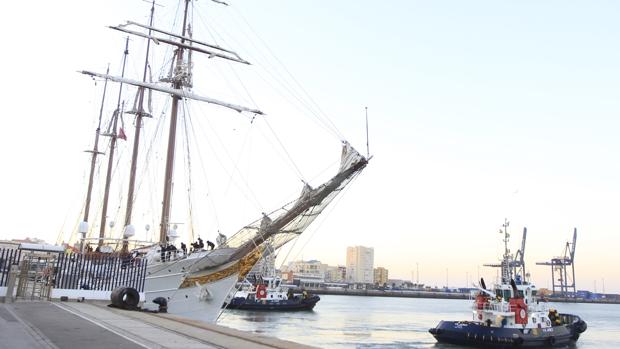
{"x":563,"y":280}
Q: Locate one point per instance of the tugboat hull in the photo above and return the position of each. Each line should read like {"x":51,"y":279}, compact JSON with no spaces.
{"x":281,"y":305}
{"x":479,"y":335}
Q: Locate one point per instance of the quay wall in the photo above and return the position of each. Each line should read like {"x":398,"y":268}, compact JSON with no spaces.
{"x":433,"y":294}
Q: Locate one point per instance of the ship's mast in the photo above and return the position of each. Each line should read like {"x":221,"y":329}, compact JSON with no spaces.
{"x":113,"y":135}
{"x":506,"y":265}
{"x":93,"y":161}
{"x":140,"y":113}
{"x":177,"y":84}
{"x":180,"y":79}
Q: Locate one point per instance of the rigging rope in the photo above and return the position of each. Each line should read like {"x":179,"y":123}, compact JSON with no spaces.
{"x":188,"y":166}
{"x":327,"y":119}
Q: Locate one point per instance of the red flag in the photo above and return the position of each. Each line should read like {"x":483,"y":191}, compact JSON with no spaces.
{"x":121,"y":134}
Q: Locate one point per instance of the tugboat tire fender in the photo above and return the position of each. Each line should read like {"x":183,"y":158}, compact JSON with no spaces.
{"x":551,"y":340}
{"x":517,"y":341}
{"x":582,"y":326}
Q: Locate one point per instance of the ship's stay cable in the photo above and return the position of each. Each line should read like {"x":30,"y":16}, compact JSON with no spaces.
{"x":323,"y":218}
{"x":290,"y":89}
{"x":206,"y":178}
{"x":188,"y":166}
{"x":285,"y":151}
{"x":252,"y":196}
{"x":257,"y":61}
{"x":230,"y":65}
{"x":151,"y":153}
{"x":290,"y":75}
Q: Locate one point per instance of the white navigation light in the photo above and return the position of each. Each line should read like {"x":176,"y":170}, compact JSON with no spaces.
{"x":130,"y":231}
{"x":172,"y":233}
{"x":83,"y":227}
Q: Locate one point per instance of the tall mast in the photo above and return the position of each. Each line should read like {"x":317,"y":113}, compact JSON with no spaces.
{"x":506,"y":268}
{"x":113,"y":135}
{"x":136,"y":139}
{"x":93,"y":161}
{"x":177,"y":84}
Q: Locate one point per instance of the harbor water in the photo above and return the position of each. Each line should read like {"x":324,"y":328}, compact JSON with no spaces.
{"x":385,"y":322}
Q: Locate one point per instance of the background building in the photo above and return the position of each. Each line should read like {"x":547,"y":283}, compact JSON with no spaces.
{"x":381,"y":276}
{"x":305,"y":273}
{"x":336,"y":274}
{"x":360,"y":263}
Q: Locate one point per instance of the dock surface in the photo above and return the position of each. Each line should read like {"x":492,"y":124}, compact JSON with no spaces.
{"x":74,"y":325}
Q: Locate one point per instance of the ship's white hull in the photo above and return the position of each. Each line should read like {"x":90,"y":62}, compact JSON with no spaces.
{"x":200,"y":300}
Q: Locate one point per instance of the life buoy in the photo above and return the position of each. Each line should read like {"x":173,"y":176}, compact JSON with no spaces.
{"x":522,"y":313}
{"x":262,"y":293}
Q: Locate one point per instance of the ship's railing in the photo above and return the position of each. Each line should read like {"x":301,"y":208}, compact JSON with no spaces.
{"x":492,"y":306}
{"x":505,"y":307}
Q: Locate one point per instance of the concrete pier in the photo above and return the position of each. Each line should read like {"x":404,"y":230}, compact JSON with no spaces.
{"x":74,"y":325}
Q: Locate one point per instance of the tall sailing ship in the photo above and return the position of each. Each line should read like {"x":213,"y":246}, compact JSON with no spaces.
{"x":196,"y":283}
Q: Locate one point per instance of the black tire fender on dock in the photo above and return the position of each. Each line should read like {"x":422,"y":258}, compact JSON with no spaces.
{"x":125,"y":298}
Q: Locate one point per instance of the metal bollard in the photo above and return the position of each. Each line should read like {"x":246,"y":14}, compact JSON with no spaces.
{"x":10,"y":283}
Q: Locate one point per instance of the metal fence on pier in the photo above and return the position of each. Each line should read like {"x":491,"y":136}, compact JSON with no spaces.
{"x":8,"y":257}
{"x":99,"y":272}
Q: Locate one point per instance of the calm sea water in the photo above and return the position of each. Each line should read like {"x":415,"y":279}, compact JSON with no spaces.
{"x":381,"y":322}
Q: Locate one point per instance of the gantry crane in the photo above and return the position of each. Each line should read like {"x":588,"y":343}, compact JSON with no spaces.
{"x":562,"y":280}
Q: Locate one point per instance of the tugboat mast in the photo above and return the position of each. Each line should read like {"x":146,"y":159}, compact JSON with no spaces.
{"x":506,"y":269}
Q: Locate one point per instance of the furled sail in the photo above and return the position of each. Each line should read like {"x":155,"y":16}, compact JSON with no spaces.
{"x":285,"y":224}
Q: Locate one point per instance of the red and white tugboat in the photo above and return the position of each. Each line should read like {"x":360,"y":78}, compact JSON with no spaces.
{"x":511,"y":315}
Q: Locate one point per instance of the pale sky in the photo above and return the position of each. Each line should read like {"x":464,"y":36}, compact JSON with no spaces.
{"x":478,"y":111}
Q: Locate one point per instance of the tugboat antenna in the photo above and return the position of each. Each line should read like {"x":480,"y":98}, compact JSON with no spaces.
{"x":367,"y":147}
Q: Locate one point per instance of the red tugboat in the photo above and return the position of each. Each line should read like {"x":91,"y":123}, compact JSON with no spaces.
{"x":511,"y":315}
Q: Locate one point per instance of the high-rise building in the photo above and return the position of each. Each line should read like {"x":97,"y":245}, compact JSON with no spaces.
{"x":360,"y":263}
{"x":381,"y":276}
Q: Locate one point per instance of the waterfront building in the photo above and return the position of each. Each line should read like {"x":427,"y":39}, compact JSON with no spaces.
{"x":306,"y":273}
{"x":360,"y":263}
{"x":336,"y":274}
{"x":380,"y":276}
